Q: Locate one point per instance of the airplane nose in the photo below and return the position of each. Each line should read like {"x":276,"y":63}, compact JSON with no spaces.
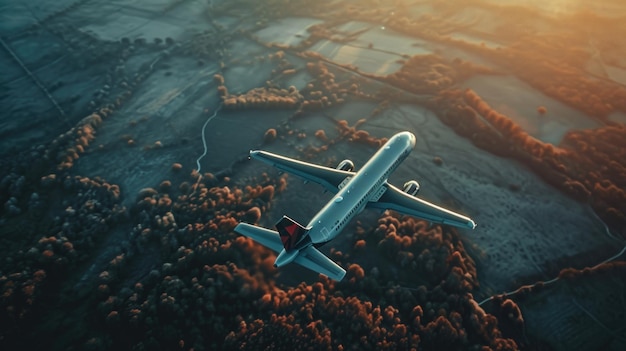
{"x":411,"y":139}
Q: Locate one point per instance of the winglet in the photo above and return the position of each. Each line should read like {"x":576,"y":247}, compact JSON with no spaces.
{"x":290,"y":232}
{"x":471,"y":224}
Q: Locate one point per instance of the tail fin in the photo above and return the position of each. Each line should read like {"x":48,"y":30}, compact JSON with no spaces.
{"x":290,"y":232}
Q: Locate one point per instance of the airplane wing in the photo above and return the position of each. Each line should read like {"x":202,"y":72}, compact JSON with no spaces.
{"x":267,"y":237}
{"x":313,"y":259}
{"x":397,"y":200}
{"x":330,"y":178}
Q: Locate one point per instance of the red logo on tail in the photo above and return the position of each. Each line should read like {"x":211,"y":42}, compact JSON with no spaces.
{"x":290,"y":232}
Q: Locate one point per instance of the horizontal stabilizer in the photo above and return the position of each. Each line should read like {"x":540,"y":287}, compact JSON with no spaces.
{"x":261,"y":235}
{"x":310,"y":257}
{"x":313,"y":259}
{"x":290,"y":232}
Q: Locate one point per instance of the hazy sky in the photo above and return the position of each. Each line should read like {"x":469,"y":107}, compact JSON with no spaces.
{"x":606,"y":7}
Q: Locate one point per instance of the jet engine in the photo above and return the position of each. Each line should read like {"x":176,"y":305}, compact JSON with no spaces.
{"x":412,"y":187}
{"x":346,"y":165}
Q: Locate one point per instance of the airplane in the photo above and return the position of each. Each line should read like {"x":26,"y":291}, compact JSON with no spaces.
{"x":353,"y":192}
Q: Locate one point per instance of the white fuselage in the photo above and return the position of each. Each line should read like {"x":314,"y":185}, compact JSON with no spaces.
{"x":356,"y":191}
